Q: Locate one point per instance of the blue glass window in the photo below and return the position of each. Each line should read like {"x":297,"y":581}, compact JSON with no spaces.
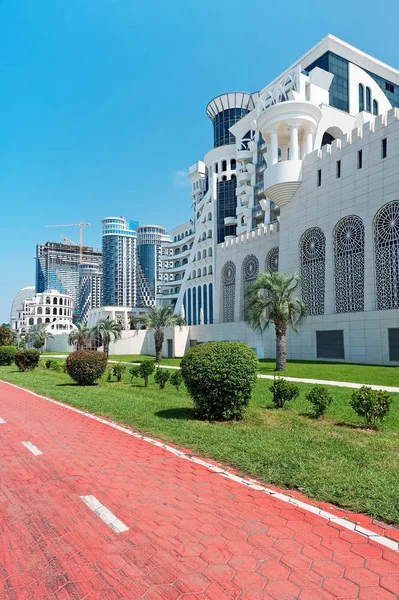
{"x":226,"y":207}
{"x":361,"y":97}
{"x":368,"y":99}
{"x":189,"y":308}
{"x":211,"y":303}
{"x":339,"y":89}
{"x":199,"y":303}
{"x":205,"y":304}
{"x":375,"y":107}
{"x":222,"y":123}
{"x":194,"y":307}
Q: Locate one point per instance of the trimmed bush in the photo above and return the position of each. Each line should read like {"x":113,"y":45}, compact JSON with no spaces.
{"x":55,"y":365}
{"x":118,"y":370}
{"x":161,"y":377}
{"x":176,"y":379}
{"x":283,"y":391}
{"x":146,"y":369}
{"x":220,"y":377}
{"x":372,"y":405}
{"x":321,"y":399}
{"x":86,"y":366}
{"x":7,"y":355}
{"x":134,"y":372}
{"x":27,"y":360}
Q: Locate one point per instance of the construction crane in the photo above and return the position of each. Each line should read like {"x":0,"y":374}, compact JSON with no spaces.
{"x":80,"y":225}
{"x":68,"y":241}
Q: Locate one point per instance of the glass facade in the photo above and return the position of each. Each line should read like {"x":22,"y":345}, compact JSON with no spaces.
{"x":148,"y":260}
{"x":390,"y":90}
{"x":339,"y":90}
{"x":226,"y":207}
{"x":221,"y":124}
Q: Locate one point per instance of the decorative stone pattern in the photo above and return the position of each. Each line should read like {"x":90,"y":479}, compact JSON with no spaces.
{"x":229,"y":291}
{"x":250,"y":270}
{"x":349,"y":265}
{"x":386,"y":247}
{"x":313,"y":258}
{"x":272,"y":258}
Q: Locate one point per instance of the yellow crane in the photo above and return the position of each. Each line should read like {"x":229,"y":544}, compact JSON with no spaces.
{"x":80,"y":225}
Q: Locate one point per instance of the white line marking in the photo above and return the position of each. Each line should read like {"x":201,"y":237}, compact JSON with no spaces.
{"x":250,"y":483}
{"x":2,"y":421}
{"x":32,"y":448}
{"x":106,"y":515}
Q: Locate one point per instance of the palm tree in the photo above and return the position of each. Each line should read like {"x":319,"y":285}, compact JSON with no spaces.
{"x":40,"y":337}
{"x":269,"y":300}
{"x":108,"y":331}
{"x":158,"y":318}
{"x":80,"y":336}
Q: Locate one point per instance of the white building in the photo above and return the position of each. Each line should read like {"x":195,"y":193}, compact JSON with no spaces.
{"x":175,"y":255}
{"x":51,"y":307}
{"x":90,"y":289}
{"x":303,"y":177}
{"x":19,"y":298}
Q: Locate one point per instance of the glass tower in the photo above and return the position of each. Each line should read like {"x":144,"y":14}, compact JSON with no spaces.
{"x":149,"y":240}
{"x":119,"y":262}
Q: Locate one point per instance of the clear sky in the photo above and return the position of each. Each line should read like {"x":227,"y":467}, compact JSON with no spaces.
{"x":102,"y":102}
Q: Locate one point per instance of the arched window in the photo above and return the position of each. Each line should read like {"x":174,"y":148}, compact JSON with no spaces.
{"x":48,"y":300}
{"x":194,"y":306}
{"x":199,"y":304}
{"x":204,"y":254}
{"x":204,"y":236}
{"x":184,"y":261}
{"x":204,"y":270}
{"x":39,"y":310}
{"x":210,"y":270}
{"x":211,"y":303}
{"x":54,"y":300}
{"x":54,"y":311}
{"x":209,"y":216}
{"x":189,"y":321}
{"x":210,"y":251}
{"x":313,"y":258}
{"x":271,"y":263}
{"x":375,"y":107}
{"x":184,"y":248}
{"x":216,"y":167}
{"x":249,"y":272}
{"x":198,"y":255}
{"x":349,"y":265}
{"x":48,"y":312}
{"x":47,"y":320}
{"x":185,"y":305}
{"x":205,"y":297}
{"x":30,"y":322}
{"x":60,"y":300}
{"x":193,"y":274}
{"x":199,"y":273}
{"x":228,"y":291}
{"x":224,"y":178}
{"x":361,"y":97}
{"x":233,"y":176}
{"x":224,"y":165}
{"x":39,"y":321}
{"x":386,"y":249}
{"x":368,"y":99}
{"x":209,"y":233}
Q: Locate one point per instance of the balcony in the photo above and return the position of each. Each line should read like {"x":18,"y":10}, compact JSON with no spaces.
{"x":244,"y":155}
{"x":282,"y":180}
{"x":244,"y":176}
{"x":228,"y":221}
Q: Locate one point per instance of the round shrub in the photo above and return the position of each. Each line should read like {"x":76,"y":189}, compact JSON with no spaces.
{"x":372,"y":405}
{"x":27,"y":360}
{"x":161,"y":377}
{"x":220,"y":377}
{"x":118,"y":371}
{"x":86,"y":366}
{"x":176,"y":379}
{"x":283,"y":391}
{"x":7,"y":355}
{"x":321,"y":399}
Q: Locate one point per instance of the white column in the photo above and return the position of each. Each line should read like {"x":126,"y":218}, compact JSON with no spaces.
{"x":302,"y":150}
{"x":273,"y":147}
{"x":294,"y":147}
{"x":308,"y":142}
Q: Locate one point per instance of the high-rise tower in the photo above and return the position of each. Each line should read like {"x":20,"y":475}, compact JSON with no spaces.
{"x":149,"y":241}
{"x":119,"y":262}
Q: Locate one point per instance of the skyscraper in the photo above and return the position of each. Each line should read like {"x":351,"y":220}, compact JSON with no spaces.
{"x":57,"y":267}
{"x":90,"y":289}
{"x":119,"y":262}
{"x":149,"y":241}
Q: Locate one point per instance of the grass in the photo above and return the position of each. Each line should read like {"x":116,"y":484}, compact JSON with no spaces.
{"x":333,"y":459}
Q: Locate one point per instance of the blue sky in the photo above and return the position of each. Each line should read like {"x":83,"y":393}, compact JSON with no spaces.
{"x":102,"y":104}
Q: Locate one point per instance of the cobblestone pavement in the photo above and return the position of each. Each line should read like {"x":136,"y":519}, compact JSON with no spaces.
{"x":88,"y":511}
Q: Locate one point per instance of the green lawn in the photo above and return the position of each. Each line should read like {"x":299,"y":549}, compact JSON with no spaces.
{"x":141,"y":357}
{"x":334,"y":459}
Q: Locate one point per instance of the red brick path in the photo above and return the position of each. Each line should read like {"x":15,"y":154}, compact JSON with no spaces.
{"x":192,"y":534}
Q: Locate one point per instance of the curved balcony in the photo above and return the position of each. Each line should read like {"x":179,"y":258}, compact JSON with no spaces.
{"x":302,"y":114}
{"x":244,"y":176}
{"x":230,"y":221}
{"x":282,"y":180}
{"x":244,"y":155}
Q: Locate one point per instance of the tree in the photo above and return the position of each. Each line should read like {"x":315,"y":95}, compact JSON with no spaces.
{"x":80,"y":336}
{"x":108,"y":331}
{"x":6,"y":336}
{"x":270,"y":300}
{"x":40,"y":337}
{"x":158,"y":318}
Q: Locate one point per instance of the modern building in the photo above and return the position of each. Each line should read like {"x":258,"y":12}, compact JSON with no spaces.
{"x":149,"y":242}
{"x":90,"y":289}
{"x":19,"y":298}
{"x":303,"y":177}
{"x":175,"y":254}
{"x":51,"y":307}
{"x":119,"y":245}
{"x":57,"y":267}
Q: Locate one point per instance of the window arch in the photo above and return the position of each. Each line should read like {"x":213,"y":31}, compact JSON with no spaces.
{"x":204,"y":253}
{"x":368,"y":99}
{"x":60,"y":300}
{"x":224,"y":178}
{"x":209,"y":233}
{"x":54,"y":300}
{"x":48,"y":300}
{"x":204,"y":270}
{"x":199,"y":304}
{"x":210,"y":251}
{"x":194,"y":307}
{"x":349,"y":265}
{"x":199,"y":273}
{"x":198,"y":255}
{"x":249,"y":272}
{"x":361,"y":97}
{"x":39,"y":310}
{"x":30,"y":322}
{"x":205,"y":297}
{"x":228,"y":291}
{"x":386,"y":250}
{"x":375,"y":107}
{"x":233,"y":176}
{"x":47,"y":320}
{"x":189,"y":306}
{"x":54,"y":311}
{"x":39,"y":321}
{"x":313,"y":259}
{"x":209,"y":216}
{"x":210,"y":270}
{"x":210,"y":303}
{"x":224,"y":165}
{"x":272,"y":258}
{"x":193,"y":274}
{"x":233,"y":164}
{"x":48,"y":310}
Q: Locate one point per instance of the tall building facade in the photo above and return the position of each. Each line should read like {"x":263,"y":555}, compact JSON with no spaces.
{"x":51,"y":308}
{"x":312,"y":158}
{"x":119,"y":245}
{"x":149,"y":243}
{"x":90,"y":289}
{"x":57,"y":267}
